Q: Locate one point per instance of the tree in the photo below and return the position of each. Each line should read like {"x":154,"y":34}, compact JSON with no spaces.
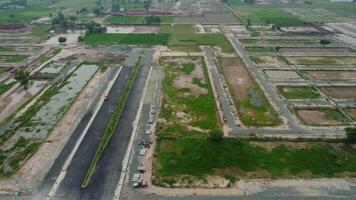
{"x":278,"y":48}
{"x":324,"y":42}
{"x":351,"y":135}
{"x":62,"y":40}
{"x":94,"y":27}
{"x":215,"y":135}
{"x":23,"y":77}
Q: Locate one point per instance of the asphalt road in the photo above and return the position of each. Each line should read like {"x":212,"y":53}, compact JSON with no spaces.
{"x":81,"y":161}
{"x":104,"y":180}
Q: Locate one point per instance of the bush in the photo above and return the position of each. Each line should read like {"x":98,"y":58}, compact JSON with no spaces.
{"x":351,"y":135}
{"x":215,"y":136}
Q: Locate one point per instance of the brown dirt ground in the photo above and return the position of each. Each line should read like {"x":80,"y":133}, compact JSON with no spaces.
{"x":340,"y":92}
{"x":315,"y":60}
{"x":237,"y":76}
{"x":315,"y":117}
{"x":324,"y":75}
{"x":315,"y":50}
{"x":270,"y":61}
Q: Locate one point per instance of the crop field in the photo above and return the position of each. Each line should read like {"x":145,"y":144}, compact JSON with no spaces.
{"x":284,"y":41}
{"x":331,"y":75}
{"x":126,"y":39}
{"x":314,"y":11}
{"x":116,"y":20}
{"x":340,"y":92}
{"x":4,"y":87}
{"x":315,"y":50}
{"x":191,"y":41}
{"x":298,"y":92}
{"x":259,"y":49}
{"x":208,"y":18}
{"x":12,"y":58}
{"x":36,"y":123}
{"x":251,"y":103}
{"x":266,"y":15}
{"x":320,"y":116}
{"x":330,"y":60}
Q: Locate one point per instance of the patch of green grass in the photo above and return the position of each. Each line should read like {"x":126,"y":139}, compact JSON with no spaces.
{"x":259,"y":49}
{"x":49,"y":55}
{"x":145,"y":39}
{"x":202,"y":157}
{"x":188,"y":68}
{"x":7,"y":49}
{"x":256,"y":59}
{"x":5,"y":87}
{"x":12,"y":58}
{"x":298,"y":92}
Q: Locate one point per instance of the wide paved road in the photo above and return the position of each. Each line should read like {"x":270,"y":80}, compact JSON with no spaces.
{"x":70,"y":188}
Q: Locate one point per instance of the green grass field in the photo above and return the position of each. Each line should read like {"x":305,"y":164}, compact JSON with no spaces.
{"x":146,"y":39}
{"x":266,"y":15}
{"x":5,"y":87}
{"x":298,"y":92}
{"x":243,"y":159}
{"x":12,"y":58}
{"x":134,"y":19}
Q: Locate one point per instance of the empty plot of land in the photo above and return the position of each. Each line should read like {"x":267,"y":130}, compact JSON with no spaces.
{"x":331,"y":75}
{"x":252,"y":105}
{"x":315,"y":50}
{"x":330,"y":60}
{"x":282,"y":74}
{"x":340,"y":92}
{"x":266,"y":61}
{"x":351,"y":112}
{"x":320,"y":116}
{"x":298,"y":92}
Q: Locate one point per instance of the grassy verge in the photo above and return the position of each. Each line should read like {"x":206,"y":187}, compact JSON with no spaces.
{"x":5,"y":87}
{"x":111,"y":126}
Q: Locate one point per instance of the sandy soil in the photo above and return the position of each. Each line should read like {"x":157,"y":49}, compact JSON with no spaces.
{"x":331,"y":75}
{"x":269,"y":61}
{"x":340,"y":92}
{"x":34,"y":170}
{"x":315,"y":117}
{"x":237,"y":76}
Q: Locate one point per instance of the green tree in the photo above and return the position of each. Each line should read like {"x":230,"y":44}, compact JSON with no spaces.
{"x":23,"y":77}
{"x":62,"y":40}
{"x":215,"y":136}
{"x":351,"y":135}
{"x":324,"y":42}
